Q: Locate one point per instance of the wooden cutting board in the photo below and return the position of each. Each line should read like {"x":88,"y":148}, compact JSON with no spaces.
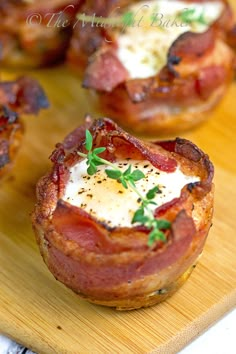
{"x":42,"y":314}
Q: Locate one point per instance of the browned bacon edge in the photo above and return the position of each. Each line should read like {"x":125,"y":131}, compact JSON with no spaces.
{"x":231,"y":38}
{"x":8,"y":124}
{"x":24,"y":96}
{"x":118,"y":142}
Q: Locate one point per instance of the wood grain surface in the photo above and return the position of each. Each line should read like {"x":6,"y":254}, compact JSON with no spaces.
{"x":42,"y":314}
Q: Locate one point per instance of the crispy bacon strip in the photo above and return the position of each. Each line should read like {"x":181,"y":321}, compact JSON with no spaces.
{"x":105,"y":72}
{"x":190,"y":151}
{"x":119,"y":144}
{"x":77,"y":225}
{"x":10,"y":137}
{"x":190,"y":46}
{"x":139,"y":89}
{"x":169,"y":89}
{"x":4,"y":153}
{"x":86,"y":39}
{"x":170,"y":209}
{"x":24,"y":95}
{"x":6,"y":117}
{"x":116,"y":268}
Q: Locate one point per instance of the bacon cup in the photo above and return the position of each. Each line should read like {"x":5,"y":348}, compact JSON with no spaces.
{"x":35,"y":33}
{"x":23,"y":96}
{"x":83,"y":222}
{"x":165,"y":67}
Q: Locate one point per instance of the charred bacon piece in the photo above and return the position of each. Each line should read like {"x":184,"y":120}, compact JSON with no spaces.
{"x":23,"y":96}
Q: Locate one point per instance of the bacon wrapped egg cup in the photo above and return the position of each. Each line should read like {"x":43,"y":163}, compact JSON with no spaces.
{"x":165,"y":67}
{"x":23,"y":96}
{"x":123,"y":247}
{"x":35,"y":33}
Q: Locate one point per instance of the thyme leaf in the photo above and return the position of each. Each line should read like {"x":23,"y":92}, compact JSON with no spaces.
{"x":189,"y":16}
{"x":143,"y":215}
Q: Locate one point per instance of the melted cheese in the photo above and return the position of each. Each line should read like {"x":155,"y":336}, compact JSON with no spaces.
{"x":143,"y":47}
{"x":108,"y":201}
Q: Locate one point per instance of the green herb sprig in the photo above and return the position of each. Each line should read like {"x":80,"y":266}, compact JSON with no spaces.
{"x":143,"y":215}
{"x":190,"y":16}
{"x":128,"y":19}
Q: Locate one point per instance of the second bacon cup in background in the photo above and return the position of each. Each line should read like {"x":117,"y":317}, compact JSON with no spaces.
{"x":35,"y":33}
{"x":156,"y":67}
